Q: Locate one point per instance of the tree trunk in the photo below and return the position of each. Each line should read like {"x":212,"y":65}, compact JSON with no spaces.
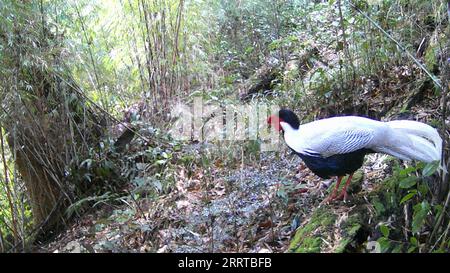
{"x":49,"y":127}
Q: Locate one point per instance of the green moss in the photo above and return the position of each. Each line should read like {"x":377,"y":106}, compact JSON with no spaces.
{"x":310,"y":245}
{"x":307,"y":238}
{"x":353,"y":222}
{"x":353,"y":231}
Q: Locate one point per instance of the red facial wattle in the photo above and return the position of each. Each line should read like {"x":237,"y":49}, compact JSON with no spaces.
{"x":274,"y":121}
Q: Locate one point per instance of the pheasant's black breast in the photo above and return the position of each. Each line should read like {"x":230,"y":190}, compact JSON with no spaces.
{"x":335,"y":165}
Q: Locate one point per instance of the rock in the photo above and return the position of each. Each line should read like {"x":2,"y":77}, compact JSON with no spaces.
{"x":74,"y":247}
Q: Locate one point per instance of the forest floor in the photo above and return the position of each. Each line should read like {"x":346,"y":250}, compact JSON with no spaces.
{"x":257,"y":209}
{"x":235,"y":212}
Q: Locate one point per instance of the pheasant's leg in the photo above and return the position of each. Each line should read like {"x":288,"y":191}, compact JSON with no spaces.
{"x":332,"y":196}
{"x":343,"y":194}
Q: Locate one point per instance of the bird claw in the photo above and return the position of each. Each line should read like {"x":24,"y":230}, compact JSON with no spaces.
{"x":329,"y":199}
{"x":342,"y":197}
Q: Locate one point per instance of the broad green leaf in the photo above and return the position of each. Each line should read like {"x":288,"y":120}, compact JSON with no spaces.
{"x":408,"y":182}
{"x":384,"y":244}
{"x":408,"y":196}
{"x":379,"y":207}
{"x":420,"y":214}
{"x":405,"y":172}
{"x":423,"y":188}
{"x":384,"y":230}
{"x":430,"y":168}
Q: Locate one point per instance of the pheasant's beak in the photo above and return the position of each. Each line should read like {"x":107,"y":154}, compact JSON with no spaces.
{"x":274,"y":121}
